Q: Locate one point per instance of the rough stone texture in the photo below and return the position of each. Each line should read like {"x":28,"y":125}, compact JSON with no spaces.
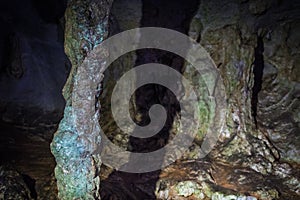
{"x":77,"y":137}
{"x":124,"y":15}
{"x":82,"y":33}
{"x":256,"y":48}
{"x":12,"y":185}
{"x":278,"y":107}
{"x":254,"y":45}
{"x":142,"y":186}
{"x":30,"y":155}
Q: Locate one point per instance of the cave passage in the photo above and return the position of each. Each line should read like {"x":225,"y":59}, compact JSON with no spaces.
{"x":33,"y":71}
{"x":258,"y":70}
{"x":43,"y":42}
{"x":174,"y":15}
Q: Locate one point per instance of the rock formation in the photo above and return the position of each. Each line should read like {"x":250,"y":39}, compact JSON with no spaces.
{"x":47,"y":95}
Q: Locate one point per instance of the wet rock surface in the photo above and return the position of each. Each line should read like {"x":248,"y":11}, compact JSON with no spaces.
{"x":142,"y":186}
{"x":12,"y":185}
{"x":77,"y":136}
{"x":255,"y":46}
{"x":257,"y":154}
{"x":29,"y":154}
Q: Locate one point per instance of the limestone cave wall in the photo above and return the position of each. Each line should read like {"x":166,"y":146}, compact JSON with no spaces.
{"x":51,"y":106}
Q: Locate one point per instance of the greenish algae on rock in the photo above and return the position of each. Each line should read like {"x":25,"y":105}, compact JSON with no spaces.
{"x":77,"y":137}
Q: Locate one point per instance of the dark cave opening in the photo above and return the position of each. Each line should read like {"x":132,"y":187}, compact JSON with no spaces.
{"x":174,"y":15}
{"x":31,"y":185}
{"x":32,"y":75}
{"x":34,"y":68}
{"x":258,"y":71}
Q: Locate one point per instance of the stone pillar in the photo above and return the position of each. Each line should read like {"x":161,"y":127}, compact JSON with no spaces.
{"x":74,"y":143}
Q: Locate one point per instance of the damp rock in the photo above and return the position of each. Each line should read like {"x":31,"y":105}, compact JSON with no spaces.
{"x":12,"y":185}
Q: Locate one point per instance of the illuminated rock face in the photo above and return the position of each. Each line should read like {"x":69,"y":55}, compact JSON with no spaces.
{"x":78,"y":133}
{"x":259,"y":148}
{"x":257,"y":156}
{"x":257,"y":59}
